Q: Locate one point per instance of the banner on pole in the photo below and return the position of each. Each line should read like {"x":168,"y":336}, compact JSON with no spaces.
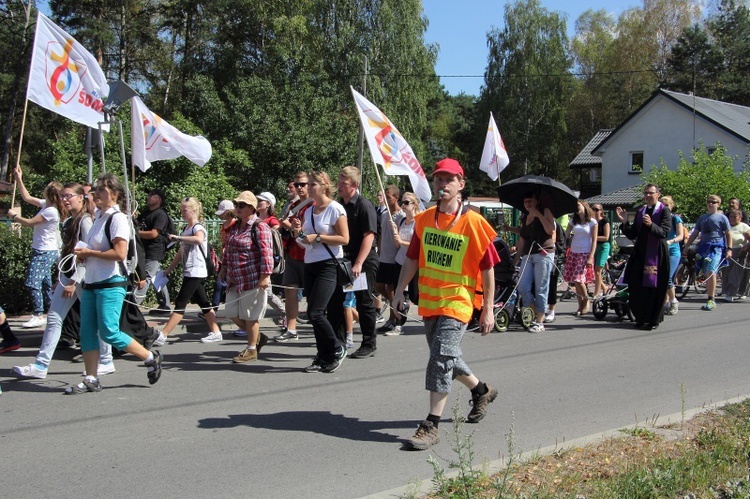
{"x":494,"y":156}
{"x":389,"y":148}
{"x":64,"y":77}
{"x":154,"y":139}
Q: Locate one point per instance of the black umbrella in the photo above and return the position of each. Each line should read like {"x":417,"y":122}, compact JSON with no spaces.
{"x":550,"y":192}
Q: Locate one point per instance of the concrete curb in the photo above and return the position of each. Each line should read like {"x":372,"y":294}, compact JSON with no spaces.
{"x":425,"y":486}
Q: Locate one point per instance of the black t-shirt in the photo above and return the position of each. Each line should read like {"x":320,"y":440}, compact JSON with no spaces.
{"x":158,"y":219}
{"x":601,"y":226}
{"x":361,"y":218}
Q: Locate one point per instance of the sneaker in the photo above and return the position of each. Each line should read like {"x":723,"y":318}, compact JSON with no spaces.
{"x":246,"y":355}
{"x":30,"y":371}
{"x":240,"y":333}
{"x":154,"y":368}
{"x":329,"y":367}
{"x":710,"y":305}
{"x":9,"y":346}
{"x":394,"y":332}
{"x":262,"y":340}
{"x":363,"y":352}
{"x":302,"y":318}
{"x":35,"y":321}
{"x":388,"y":326}
{"x":84,"y":386}
{"x":535,"y":327}
{"x":728,"y":299}
{"x":426,"y":436}
{"x":349,"y":340}
{"x":213,"y":337}
{"x":160,"y":340}
{"x":549,"y":316}
{"x":315,"y":367}
{"x":674,"y":307}
{"x":742,"y":297}
{"x":480,"y":403}
{"x":286,"y":336}
{"x":472,"y":327}
{"x":379,"y":318}
{"x":102,"y":369}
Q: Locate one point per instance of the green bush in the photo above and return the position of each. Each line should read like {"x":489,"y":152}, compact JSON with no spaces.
{"x":15,"y":253}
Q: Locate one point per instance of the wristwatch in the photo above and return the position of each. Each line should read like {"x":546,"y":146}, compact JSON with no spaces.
{"x":317,"y":238}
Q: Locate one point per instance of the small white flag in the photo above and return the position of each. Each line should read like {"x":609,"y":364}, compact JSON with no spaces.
{"x":494,"y":156}
{"x":64,"y":77}
{"x":388,"y":147}
{"x":154,"y":139}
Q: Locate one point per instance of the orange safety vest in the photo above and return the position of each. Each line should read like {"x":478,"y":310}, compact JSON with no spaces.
{"x":449,"y":262}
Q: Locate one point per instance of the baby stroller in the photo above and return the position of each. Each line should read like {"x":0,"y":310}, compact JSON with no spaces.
{"x":616,"y":295}
{"x":507,"y":301}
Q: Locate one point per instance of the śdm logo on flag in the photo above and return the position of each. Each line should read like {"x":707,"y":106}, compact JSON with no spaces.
{"x":388,"y":147}
{"x":494,"y":156}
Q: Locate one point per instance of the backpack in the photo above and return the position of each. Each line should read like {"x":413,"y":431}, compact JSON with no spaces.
{"x":135,"y":262}
{"x":212,"y":261}
{"x":278,"y":248}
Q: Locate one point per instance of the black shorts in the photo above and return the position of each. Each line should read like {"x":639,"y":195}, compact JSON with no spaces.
{"x":192,"y":290}
{"x":388,"y":274}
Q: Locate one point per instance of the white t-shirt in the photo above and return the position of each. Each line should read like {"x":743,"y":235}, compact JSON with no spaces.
{"x":193,"y":263}
{"x":47,"y":234}
{"x":387,"y":245}
{"x":324,"y":224}
{"x":582,"y":234}
{"x":737,"y":232}
{"x":98,"y":269}
{"x":405,"y":232}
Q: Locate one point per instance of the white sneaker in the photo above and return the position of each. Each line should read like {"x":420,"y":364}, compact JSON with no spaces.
{"x":549,"y":316}
{"x":30,"y":371}
{"x":102,"y":369}
{"x":35,"y":321}
{"x":728,"y":299}
{"x":394,"y":332}
{"x":349,"y":340}
{"x":535,"y":327}
{"x":212,"y":337}
{"x":159,"y":342}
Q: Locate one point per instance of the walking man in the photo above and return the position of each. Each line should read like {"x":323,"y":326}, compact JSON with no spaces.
{"x":154,"y":231}
{"x":453,"y":252}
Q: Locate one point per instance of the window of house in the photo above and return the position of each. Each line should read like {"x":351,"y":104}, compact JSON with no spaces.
{"x":636,"y":162}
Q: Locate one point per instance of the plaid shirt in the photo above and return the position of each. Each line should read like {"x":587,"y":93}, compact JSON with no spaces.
{"x":244,"y":261}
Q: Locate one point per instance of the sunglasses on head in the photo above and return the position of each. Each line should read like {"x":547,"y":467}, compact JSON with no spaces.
{"x":300,"y":184}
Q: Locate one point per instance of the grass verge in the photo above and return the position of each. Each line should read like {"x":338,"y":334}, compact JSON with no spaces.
{"x":706,"y":456}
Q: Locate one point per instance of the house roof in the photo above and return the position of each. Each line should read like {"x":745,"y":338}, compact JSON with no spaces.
{"x":622,"y":197}
{"x":732,"y":118}
{"x":585,"y":158}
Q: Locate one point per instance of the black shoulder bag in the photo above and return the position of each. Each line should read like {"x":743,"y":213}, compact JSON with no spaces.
{"x":343,"y":265}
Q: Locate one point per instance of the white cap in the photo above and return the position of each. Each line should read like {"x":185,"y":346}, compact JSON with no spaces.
{"x":224,"y":206}
{"x":267,"y":196}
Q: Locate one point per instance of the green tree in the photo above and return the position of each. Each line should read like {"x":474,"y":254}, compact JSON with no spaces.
{"x":695,"y":178}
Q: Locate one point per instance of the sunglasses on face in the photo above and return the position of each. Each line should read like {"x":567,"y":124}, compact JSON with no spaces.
{"x":241,"y":205}
{"x":712,"y":202}
{"x":649,"y":193}
{"x":596,"y":209}
{"x":68,"y":196}
{"x":405,"y":203}
{"x":300,"y":184}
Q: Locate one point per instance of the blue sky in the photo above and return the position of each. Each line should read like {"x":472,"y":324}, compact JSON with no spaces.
{"x":461,"y":27}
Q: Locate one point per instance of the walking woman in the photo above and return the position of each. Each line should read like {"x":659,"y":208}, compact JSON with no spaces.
{"x":579,"y":265}
{"x":267,"y":213}
{"x":603,"y":247}
{"x":192,"y":254}
{"x":68,"y":289}
{"x":402,"y":237}
{"x":324,"y":233}
{"x":537,"y":247}
{"x":104,"y":286}
{"x":45,"y":244}
{"x":674,"y":238}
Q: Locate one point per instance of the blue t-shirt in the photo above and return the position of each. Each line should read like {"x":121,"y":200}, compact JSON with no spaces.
{"x":712,"y":227}
{"x":674,"y":248}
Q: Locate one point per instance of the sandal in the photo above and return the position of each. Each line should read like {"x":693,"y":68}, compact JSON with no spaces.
{"x":154,"y":368}
{"x":84,"y":386}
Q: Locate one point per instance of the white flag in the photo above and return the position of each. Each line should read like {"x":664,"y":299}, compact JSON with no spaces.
{"x":64,"y":77}
{"x":154,"y":139}
{"x":494,"y":156}
{"x":389,"y":148}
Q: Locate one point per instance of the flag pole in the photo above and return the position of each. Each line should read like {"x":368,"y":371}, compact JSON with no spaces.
{"x":18,"y":155}
{"x":380,"y":184}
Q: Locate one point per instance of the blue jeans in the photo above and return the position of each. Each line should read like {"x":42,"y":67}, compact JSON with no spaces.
{"x":534,"y":281}
{"x":58,"y":310}
{"x":39,"y":278}
{"x":100,"y":317}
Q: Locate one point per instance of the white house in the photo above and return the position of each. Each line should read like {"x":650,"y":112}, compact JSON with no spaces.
{"x":667,"y":123}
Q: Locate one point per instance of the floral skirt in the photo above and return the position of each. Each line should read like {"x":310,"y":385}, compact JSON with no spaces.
{"x":576,"y":270}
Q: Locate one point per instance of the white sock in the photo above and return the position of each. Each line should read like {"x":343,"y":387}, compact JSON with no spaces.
{"x":293,"y":331}
{"x":251,"y":347}
{"x":90,"y":378}
{"x":150,"y":358}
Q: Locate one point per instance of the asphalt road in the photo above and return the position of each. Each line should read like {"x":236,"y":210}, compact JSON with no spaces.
{"x":211,"y":428}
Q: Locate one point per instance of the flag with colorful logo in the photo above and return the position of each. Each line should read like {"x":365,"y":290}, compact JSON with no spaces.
{"x":154,"y":139}
{"x":64,"y":77}
{"x":494,"y":156}
{"x":389,"y":148}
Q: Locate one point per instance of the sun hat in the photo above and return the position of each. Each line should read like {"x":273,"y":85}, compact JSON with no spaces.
{"x":247,"y":197}
{"x":267,"y":196}
{"x":224,"y":206}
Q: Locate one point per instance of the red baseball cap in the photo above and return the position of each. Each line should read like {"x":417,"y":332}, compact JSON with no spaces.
{"x":449,"y":166}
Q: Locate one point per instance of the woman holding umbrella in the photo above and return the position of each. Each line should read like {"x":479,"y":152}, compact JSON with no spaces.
{"x":537,"y":245}
{"x":647,"y":272}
